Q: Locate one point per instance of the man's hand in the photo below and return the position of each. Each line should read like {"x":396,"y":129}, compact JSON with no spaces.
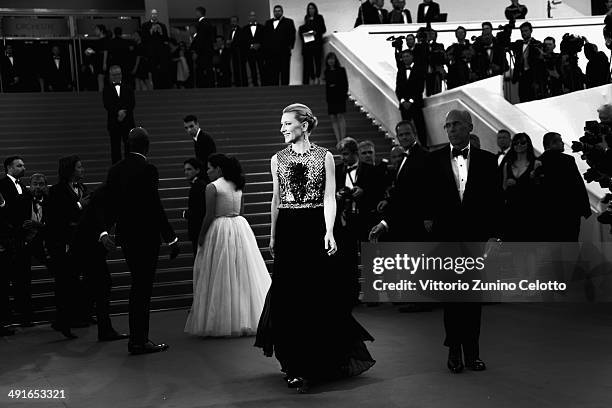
{"x":357,"y":192}
{"x":381,"y":206}
{"x":175,"y":249}
{"x":428,"y":224}
{"x":108,"y":242}
{"x":1,"y":200}
{"x":377,"y":231}
{"x":121,"y":115}
{"x":492,"y":247}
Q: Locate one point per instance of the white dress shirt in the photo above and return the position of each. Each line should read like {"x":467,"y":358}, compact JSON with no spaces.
{"x":404,"y":16}
{"x":500,"y":158}
{"x":351,"y":176}
{"x":118,"y":90}
{"x":253,"y":29}
{"x":460,"y":166}
{"x":17,"y":185}
{"x":12,"y":61}
{"x":57,"y":62}
{"x":275,"y":23}
{"x":195,"y":139}
{"x":425,"y":10}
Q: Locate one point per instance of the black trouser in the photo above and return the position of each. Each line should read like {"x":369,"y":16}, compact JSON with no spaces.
{"x":66,"y":287}
{"x":277,"y":67}
{"x":527,"y":86}
{"x":21,"y":282}
{"x":239,"y":75}
{"x":5,"y":312}
{"x":204,"y":75}
{"x":462,"y":326}
{"x":256,"y":66}
{"x":312,"y":63}
{"x":142,"y":261}
{"x":91,"y":260}
{"x":118,"y":137}
{"x":415,"y":113}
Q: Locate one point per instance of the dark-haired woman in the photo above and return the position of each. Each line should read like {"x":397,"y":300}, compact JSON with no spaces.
{"x":520,"y":191}
{"x":311,"y":34}
{"x":230,"y":278}
{"x":101,"y":52}
{"x":307,"y":321}
{"x":67,"y":199}
{"x":336,"y":90}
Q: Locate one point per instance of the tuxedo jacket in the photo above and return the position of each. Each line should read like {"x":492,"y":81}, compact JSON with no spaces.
{"x":235,"y":44}
{"x":204,"y":146}
{"x":432,"y":13}
{"x":598,"y":70}
{"x":10,"y":71}
{"x":366,"y":178}
{"x":203,"y":42}
{"x":134,"y":204}
{"x":14,"y":204}
{"x":405,"y":210}
{"x":279,"y":41}
{"x":560,"y":174}
{"x":92,"y":222}
{"x":535,"y":58}
{"x":367,"y":14}
{"x":248,"y":39}
{"x":63,"y":214}
{"x":395,"y":17}
{"x":497,"y":62}
{"x":410,"y":86}
{"x":113,"y":104}
{"x":196,"y":208}
{"x":476,"y":217}
{"x":57,"y":77}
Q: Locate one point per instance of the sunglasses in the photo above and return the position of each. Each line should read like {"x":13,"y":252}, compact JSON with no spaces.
{"x":520,"y":142}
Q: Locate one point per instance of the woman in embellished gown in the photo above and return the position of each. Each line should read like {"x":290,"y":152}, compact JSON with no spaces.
{"x":307,"y":322}
{"x":230,"y":278}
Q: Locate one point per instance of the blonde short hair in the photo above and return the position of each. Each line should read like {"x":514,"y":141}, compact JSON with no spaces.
{"x":303,"y":114}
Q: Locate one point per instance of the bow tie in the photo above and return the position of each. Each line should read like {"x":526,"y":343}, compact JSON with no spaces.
{"x":75,"y":185}
{"x":351,"y":168}
{"x":500,"y":153}
{"x":117,"y":83}
{"x":37,"y":201}
{"x":465,"y":152}
{"x":276,"y":19}
{"x":253,"y":24}
{"x":56,"y":58}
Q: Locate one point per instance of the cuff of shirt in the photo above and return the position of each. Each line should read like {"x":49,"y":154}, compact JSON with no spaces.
{"x":102,"y":235}
{"x":384,"y":223}
{"x":79,"y":205}
{"x":3,"y":204}
{"x":174,"y":241}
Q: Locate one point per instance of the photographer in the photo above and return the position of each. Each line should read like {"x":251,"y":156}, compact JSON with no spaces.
{"x":409,"y":85}
{"x":597,"y":69}
{"x":558,"y":173}
{"x":490,"y":57}
{"x":459,"y":60}
{"x":435,"y":58}
{"x":529,"y":64}
{"x":357,"y":193}
{"x":572,"y":77}
{"x":552,"y":64}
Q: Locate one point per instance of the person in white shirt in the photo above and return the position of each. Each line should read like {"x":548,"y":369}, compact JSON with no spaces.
{"x":503,"y":142}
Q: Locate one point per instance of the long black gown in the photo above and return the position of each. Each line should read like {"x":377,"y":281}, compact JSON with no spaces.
{"x":522,"y":213}
{"x":307,"y":322}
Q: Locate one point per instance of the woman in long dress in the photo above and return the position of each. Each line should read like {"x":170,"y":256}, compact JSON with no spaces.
{"x":307,"y":322}
{"x":230,"y":278}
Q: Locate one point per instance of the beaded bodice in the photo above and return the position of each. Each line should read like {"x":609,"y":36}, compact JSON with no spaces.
{"x":301,"y":177}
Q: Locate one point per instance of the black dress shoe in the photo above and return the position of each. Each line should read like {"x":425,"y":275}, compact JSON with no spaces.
{"x":64,"y":330}
{"x":112,"y":336}
{"x":147,"y":348}
{"x":455,"y":361}
{"x":476,"y":365}
{"x":5,"y":331}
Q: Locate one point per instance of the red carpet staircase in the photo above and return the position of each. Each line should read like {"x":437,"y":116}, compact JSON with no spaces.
{"x":244,"y":122}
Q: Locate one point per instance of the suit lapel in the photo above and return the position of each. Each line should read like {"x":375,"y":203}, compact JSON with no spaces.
{"x":473,"y":171}
{"x":447,"y":169}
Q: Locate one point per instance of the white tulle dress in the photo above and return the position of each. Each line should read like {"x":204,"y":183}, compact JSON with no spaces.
{"x":230,"y":278}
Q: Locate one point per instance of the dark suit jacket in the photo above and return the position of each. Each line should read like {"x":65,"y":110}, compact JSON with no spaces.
{"x":134,"y":204}
{"x":395,"y":17}
{"x":196,"y":208}
{"x":236,"y":42}
{"x":203,"y":43}
{"x":410,"y":87}
{"x":59,"y":79}
{"x":153,"y":43}
{"x":14,"y":205}
{"x":535,"y":58}
{"x":482,"y":63}
{"x":318,"y":26}
{"x":598,"y":70}
{"x":10,"y":71}
{"x":63,"y":214}
{"x":432,"y":13}
{"x":367,"y":14}
{"x":204,"y":147}
{"x":405,"y":212}
{"x":476,"y":217}
{"x":248,"y":40}
{"x":281,"y":40}
{"x":113,"y":104}
{"x":92,"y":222}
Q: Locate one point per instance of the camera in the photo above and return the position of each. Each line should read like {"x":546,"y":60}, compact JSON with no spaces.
{"x":397,"y":42}
{"x":571,"y":44}
{"x":504,"y":36}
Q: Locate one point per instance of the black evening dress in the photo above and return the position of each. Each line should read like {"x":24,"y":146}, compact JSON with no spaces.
{"x":336,"y":89}
{"x":522,"y":213}
{"x":307,"y":321}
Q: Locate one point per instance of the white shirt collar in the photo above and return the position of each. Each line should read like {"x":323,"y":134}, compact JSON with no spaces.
{"x":140,"y":154}
{"x":195,"y":139}
{"x":13,"y":179}
{"x":201,"y":18}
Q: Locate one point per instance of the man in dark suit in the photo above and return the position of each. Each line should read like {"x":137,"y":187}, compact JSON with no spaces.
{"x":503,"y":142}
{"x":463,"y":203}
{"x":428,"y":12}
{"x":202,"y":48}
{"x":222,"y":64}
{"x":409,"y":85}
{"x":11,"y":70}
{"x":560,"y":173}
{"x":135,"y":207}
{"x":403,"y":212}
{"x":119,"y":102}
{"x":203,"y":143}
{"x":383,"y":14}
{"x":252,"y":41}
{"x":368,"y":13}
{"x":278,"y":42}
{"x":15,"y":197}
{"x":155,"y":41}
{"x":399,"y":14}
{"x":357,"y":194}
{"x":88,"y":254}
{"x":196,"y":203}
{"x":529,"y":64}
{"x":598,"y":68}
{"x":57,"y":76}
{"x":236,"y":46}
{"x":490,"y":58}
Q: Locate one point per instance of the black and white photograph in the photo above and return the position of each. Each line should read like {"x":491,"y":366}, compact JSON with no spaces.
{"x":337,"y":203}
